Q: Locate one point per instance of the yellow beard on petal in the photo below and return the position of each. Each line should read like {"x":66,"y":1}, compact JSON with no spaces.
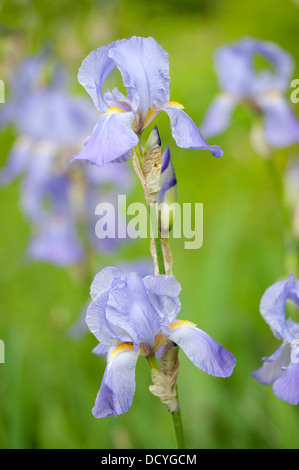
{"x":121,"y":348}
{"x":175,"y":104}
{"x":114,"y":110}
{"x":180,"y":323}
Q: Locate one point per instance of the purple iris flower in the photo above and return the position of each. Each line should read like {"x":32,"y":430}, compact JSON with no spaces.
{"x":261,"y":90}
{"x":49,"y":121}
{"x":142,"y":266}
{"x":133,"y":316}
{"x":55,"y":194}
{"x":144,"y":68}
{"x":282,"y":368}
{"x":46,"y":112}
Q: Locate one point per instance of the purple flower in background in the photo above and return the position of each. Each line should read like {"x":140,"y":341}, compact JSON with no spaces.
{"x":46,"y":112}
{"x":133,"y":316}
{"x":282,"y":368}
{"x":262,"y":90}
{"x":105,"y":184}
{"x":55,"y":194}
{"x":144,"y":68}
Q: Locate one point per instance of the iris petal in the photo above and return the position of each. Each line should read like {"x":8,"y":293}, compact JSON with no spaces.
{"x":202,"y":349}
{"x":93,"y":73}
{"x":218,"y":116}
{"x":236,"y":72}
{"x":56,"y":242}
{"x":163,"y":293}
{"x":144,"y":66}
{"x":186,"y":133}
{"x":118,"y":384}
{"x":287,"y":386}
{"x":273,"y":366}
{"x":97,"y":322}
{"x":272,"y":307}
{"x":280,"y":122}
{"x":130,"y":309}
{"x":103,"y":280}
{"x":112,"y":137}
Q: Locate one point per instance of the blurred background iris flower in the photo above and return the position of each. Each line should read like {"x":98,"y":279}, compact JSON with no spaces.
{"x":48,"y":250}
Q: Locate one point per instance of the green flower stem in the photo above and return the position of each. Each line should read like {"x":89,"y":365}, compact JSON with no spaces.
{"x":157,"y":241}
{"x":176,"y":416}
{"x":178,"y":428}
{"x":152,"y":361}
{"x":291,"y":241}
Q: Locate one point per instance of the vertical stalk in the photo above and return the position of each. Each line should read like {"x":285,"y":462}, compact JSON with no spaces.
{"x":175,"y":416}
{"x":157,"y":239}
{"x":178,"y":429}
{"x":291,"y":241}
{"x":153,"y":214}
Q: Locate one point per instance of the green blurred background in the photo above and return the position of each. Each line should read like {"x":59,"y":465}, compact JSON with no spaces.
{"x":49,"y":381}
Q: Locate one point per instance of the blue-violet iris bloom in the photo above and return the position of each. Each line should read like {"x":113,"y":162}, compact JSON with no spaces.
{"x":262,"y":90}
{"x":56,"y":196}
{"x":282,"y":368}
{"x":132,"y":316}
{"x":144,"y":68}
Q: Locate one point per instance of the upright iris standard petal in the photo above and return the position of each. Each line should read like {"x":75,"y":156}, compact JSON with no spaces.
{"x":236,"y":69}
{"x":272,"y":307}
{"x":93,"y":73}
{"x":163,"y":292}
{"x":144,"y":66}
{"x":280,"y":122}
{"x":261,"y":90}
{"x":97,"y":322}
{"x":218,"y":116}
{"x":186,"y":133}
{"x":103,"y":280}
{"x":112,"y":137}
{"x":280,"y":60}
{"x":118,"y":384}
{"x":129,"y":308}
{"x":202,"y":349}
